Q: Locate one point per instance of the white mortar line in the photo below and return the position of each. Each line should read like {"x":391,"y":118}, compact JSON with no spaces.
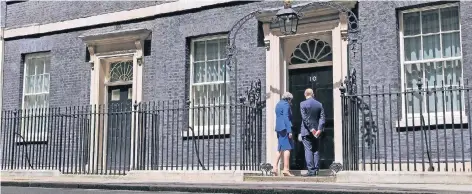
{"x":180,"y":5}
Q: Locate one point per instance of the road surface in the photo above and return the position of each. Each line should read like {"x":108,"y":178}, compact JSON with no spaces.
{"x":35,"y":190}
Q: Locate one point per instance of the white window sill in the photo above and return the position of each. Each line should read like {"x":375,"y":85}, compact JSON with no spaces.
{"x":31,"y":138}
{"x":203,"y":131}
{"x":433,"y":120}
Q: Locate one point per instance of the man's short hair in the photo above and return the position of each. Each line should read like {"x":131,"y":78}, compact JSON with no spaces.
{"x":308,"y":92}
{"x":287,"y":96}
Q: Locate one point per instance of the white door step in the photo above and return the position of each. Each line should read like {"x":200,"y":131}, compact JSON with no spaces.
{"x":317,"y":179}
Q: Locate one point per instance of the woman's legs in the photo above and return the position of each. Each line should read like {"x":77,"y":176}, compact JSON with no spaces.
{"x":286,"y":170}
{"x":286,"y":160}
{"x":276,"y":162}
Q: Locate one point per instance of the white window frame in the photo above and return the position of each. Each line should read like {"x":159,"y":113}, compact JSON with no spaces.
{"x":207,"y":130}
{"x":409,"y":119}
{"x":42,"y":134}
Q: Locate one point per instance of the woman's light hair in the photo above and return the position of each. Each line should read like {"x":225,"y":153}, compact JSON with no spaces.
{"x":287,"y":96}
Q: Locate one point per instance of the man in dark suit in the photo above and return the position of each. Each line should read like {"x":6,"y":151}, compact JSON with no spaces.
{"x":313,"y":120}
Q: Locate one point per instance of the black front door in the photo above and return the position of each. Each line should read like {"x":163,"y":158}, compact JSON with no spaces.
{"x":119,"y":128}
{"x":320,"y":79}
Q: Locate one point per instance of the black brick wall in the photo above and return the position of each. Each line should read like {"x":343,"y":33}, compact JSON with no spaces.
{"x":381,"y":67}
{"x":165,"y":69}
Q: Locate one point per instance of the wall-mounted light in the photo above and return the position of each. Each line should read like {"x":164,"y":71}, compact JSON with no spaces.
{"x":287,"y":19}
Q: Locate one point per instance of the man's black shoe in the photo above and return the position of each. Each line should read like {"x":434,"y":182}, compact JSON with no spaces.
{"x":311,"y":174}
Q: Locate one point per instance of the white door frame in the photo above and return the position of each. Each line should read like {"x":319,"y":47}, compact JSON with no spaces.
{"x":102,"y":47}
{"x":277,"y":71}
{"x":105,"y":62}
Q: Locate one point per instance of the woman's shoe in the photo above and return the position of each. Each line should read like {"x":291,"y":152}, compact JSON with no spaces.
{"x":287,"y":173}
{"x":275,"y":173}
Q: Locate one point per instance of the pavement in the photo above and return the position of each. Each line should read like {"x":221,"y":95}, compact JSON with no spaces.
{"x":31,"y":190}
{"x":207,"y":182}
{"x":245,"y":187}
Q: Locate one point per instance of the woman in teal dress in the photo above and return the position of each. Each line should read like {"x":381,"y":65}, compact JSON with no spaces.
{"x":283,"y":128}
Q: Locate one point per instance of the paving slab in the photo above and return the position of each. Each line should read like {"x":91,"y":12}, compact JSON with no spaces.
{"x":397,"y":177}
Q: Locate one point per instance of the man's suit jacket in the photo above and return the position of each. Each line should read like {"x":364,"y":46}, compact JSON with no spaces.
{"x":313,"y":116}
{"x":283,"y":116}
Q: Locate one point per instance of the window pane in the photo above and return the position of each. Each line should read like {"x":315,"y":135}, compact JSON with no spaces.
{"x":433,"y":73}
{"x":451,"y":44}
{"x":130,"y":93}
{"x":47,"y":64}
{"x":46,"y":83}
{"x":214,"y":91}
{"x":212,"y":49}
{"x":39,"y":101}
{"x":430,"y":21}
{"x":115,"y":95}
{"x":221,"y":76}
{"x":216,"y":118}
{"x":225,"y":90}
{"x":32,"y":84}
{"x":198,"y":118}
{"x":223,"y":48}
{"x":46,"y":100}
{"x":431,"y":47}
{"x":30,"y":101}
{"x":452,"y":100}
{"x":453,"y":72}
{"x":199,"y":72}
{"x":199,"y":94}
{"x":413,"y":72}
{"x":199,"y":51}
{"x":26,"y":102}
{"x":413,"y":102}
{"x":28,"y":84}
{"x":39,"y":63}
{"x":39,"y":84}
{"x":30,"y":68}
{"x":411,"y":23}
{"x":212,"y":71}
{"x":450,"y":18}
{"x":412,"y":48}
{"x":435,"y":102}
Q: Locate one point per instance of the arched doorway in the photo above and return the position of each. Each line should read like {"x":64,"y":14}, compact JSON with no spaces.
{"x":309,"y":62}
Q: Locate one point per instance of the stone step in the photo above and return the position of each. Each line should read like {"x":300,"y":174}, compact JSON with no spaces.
{"x":317,"y":179}
{"x":322,"y":172}
{"x":323,"y":176}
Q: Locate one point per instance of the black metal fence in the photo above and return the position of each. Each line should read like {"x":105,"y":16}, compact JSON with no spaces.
{"x":425,"y":128}
{"x":113,"y":139}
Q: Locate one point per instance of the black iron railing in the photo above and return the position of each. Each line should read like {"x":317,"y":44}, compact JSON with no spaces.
{"x":114,"y":139}
{"x":424,"y":128}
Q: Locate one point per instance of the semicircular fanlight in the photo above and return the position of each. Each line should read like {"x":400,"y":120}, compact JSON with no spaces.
{"x":121,"y":71}
{"x":311,"y":51}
